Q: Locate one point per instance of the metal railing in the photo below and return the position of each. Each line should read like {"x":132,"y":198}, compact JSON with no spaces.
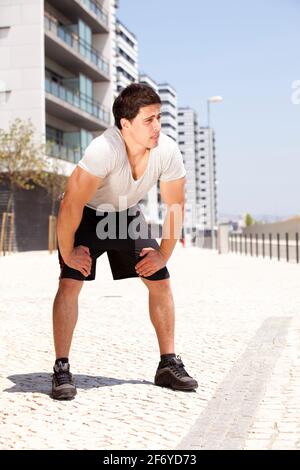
{"x":77,"y":99}
{"x":97,"y":9}
{"x":79,"y":46}
{"x":64,"y":152}
{"x":266,"y":245}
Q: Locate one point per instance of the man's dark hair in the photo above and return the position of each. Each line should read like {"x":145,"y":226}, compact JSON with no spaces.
{"x":131,"y":99}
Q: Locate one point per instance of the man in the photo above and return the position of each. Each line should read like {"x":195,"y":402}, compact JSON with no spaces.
{"x":116,"y":172}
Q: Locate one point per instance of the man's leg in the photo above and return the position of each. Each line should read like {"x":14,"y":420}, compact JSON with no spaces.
{"x":65,"y":314}
{"x":161,"y":309}
{"x":170,"y":372}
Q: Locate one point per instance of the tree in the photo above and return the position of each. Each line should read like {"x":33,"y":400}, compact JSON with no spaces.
{"x":21,"y":166}
{"x":54,"y":181}
{"x":249,"y":220}
{"x":21,"y":158}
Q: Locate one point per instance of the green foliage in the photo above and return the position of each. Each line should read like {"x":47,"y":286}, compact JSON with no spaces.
{"x":21,"y":157}
{"x":249,"y":220}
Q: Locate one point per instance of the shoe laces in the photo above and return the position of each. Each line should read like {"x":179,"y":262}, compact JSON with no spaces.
{"x":177,"y":367}
{"x":62,"y":374}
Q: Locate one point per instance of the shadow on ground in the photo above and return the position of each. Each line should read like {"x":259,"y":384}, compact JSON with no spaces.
{"x":40,"y":382}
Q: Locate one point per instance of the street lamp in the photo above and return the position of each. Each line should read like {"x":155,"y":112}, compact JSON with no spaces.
{"x":212,"y":99}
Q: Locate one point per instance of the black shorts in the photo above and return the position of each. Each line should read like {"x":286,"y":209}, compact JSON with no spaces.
{"x":123,"y":249}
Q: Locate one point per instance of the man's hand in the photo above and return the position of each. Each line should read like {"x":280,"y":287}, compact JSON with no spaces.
{"x":153,"y":261}
{"x":80,"y":259}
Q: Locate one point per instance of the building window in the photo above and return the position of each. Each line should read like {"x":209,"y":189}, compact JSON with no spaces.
{"x":54,"y":135}
{"x":127,"y":75}
{"x":167,"y":125}
{"x":168,"y":103}
{"x":126,"y":38}
{"x":120,"y":52}
{"x":166,"y":90}
{"x":167,"y":114}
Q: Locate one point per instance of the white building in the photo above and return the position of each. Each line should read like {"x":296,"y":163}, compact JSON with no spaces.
{"x":126,"y":57}
{"x":188,"y":144}
{"x":168,"y":98}
{"x":144,"y":78}
{"x":56,"y":68}
{"x":206,"y":180}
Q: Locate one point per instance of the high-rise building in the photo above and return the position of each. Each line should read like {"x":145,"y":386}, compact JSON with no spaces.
{"x":188,"y":144}
{"x":57,"y":69}
{"x":144,"y":78}
{"x":168,"y":98}
{"x":126,"y":56}
{"x":206,"y":179}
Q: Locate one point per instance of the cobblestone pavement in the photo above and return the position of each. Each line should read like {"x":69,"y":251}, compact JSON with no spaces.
{"x":238,"y":332}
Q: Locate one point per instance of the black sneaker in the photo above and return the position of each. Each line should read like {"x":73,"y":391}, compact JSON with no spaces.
{"x":63,"y":387}
{"x":171,"y":373}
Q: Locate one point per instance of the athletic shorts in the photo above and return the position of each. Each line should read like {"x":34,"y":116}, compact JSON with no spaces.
{"x":122,"y":235}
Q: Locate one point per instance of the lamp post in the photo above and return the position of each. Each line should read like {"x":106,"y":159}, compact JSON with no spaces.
{"x":212,"y":99}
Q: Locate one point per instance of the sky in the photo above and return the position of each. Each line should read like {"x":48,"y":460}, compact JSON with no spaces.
{"x":247,"y":52}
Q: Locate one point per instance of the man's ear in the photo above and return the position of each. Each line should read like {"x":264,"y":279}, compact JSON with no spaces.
{"x":124,"y":123}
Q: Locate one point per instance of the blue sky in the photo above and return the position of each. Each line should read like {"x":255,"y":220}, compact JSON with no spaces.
{"x":248,"y":52}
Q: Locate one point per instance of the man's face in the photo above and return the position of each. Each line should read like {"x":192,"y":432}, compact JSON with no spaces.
{"x":144,"y":129}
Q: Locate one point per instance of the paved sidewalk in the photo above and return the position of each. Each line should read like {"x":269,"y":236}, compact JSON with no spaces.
{"x":238,"y":331}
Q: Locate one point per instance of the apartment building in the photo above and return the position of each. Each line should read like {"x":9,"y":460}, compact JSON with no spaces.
{"x":56,"y":69}
{"x":144,"y":78}
{"x":168,"y":98}
{"x":188,"y":144}
{"x":126,"y":57}
{"x":206,"y":179}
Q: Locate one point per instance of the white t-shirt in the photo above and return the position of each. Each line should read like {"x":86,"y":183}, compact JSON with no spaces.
{"x":107,"y":158}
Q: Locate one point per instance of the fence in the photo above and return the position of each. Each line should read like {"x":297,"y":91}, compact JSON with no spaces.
{"x":266,"y":245}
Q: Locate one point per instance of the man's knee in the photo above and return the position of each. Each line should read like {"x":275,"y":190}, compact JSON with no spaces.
{"x":162,"y":286}
{"x":69,"y":287}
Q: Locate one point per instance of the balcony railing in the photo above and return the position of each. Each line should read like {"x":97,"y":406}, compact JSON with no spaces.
{"x":77,"y":99}
{"x":79,"y":46}
{"x":65,"y":152}
{"x":97,"y":9}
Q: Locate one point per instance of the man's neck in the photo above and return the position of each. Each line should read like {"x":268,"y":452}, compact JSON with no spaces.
{"x":134,"y":150}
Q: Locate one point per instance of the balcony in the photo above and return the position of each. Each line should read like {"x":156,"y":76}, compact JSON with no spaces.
{"x":71,"y":105}
{"x":64,"y":152}
{"x":89,"y":11}
{"x":63,"y":45}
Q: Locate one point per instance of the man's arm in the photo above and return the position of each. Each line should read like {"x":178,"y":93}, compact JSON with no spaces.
{"x":80,"y":189}
{"x":173,"y":195}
